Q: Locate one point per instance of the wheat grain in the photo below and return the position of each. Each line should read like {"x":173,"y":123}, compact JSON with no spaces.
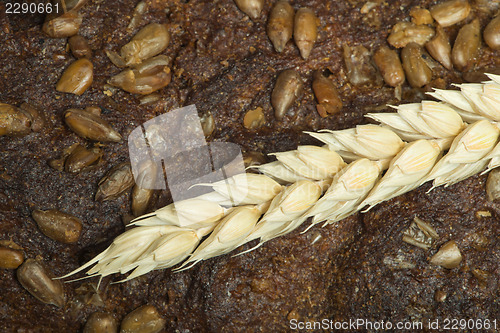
{"x":369,"y":141}
{"x":318,"y":184}
{"x":426,"y":120}
{"x":227,"y":235}
{"x":406,"y":172}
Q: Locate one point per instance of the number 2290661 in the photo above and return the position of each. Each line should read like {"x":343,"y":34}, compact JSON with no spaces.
{"x":31,"y":8}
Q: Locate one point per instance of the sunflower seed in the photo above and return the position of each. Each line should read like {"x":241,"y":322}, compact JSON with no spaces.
{"x":250,"y":7}
{"x":38,"y":281}
{"x":207,"y":123}
{"x":137,"y":16}
{"x":147,"y":77}
{"x":141,"y":198}
{"x":101,"y":322}
{"x":145,"y":319}
{"x":142,"y":193}
{"x":406,"y":32}
{"x":59,"y":226}
{"x":37,"y":118}
{"x":305,"y":31}
{"x":79,"y":47}
{"x":280,"y":24}
{"x":254,"y":119}
{"x":492,"y":33}
{"x":77,"y":78}
{"x":421,"y":16}
{"x":450,"y":12}
{"x":148,"y":42}
{"x":82,"y":158}
{"x":117,"y":181}
{"x":11,"y":256}
{"x":389,"y":64}
{"x":65,"y":25}
{"x":467,"y":45}
{"x":13,"y":121}
{"x":493,"y":185}
{"x":416,"y":69}
{"x":448,"y":256}
{"x":326,"y":93}
{"x":439,"y":48}
{"x":288,"y":86}
{"x":89,"y":125}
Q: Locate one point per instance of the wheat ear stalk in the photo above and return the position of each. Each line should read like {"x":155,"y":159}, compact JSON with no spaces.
{"x":315,"y":182}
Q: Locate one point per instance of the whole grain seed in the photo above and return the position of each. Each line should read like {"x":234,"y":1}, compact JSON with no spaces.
{"x":141,"y":199}
{"x":13,"y":121}
{"x":117,"y":181}
{"x":137,"y":16}
{"x":38,"y":281}
{"x":77,"y":78}
{"x":420,"y":234}
{"x":147,"y":77}
{"x":148,"y":99}
{"x":326,"y":93}
{"x":493,"y":185}
{"x":58,"y":163}
{"x":145,"y":319}
{"x":207,"y":123}
{"x":254,"y":119}
{"x":115,"y":58}
{"x":101,"y":322}
{"x":440,"y":296}
{"x":403,"y":33}
{"x":288,"y":86}
{"x":390,"y":66}
{"x":439,"y":48}
{"x":37,"y":117}
{"x":305,"y":31}
{"x":79,"y":47}
{"x":491,"y":33}
{"x":250,"y":7}
{"x":142,"y":193}
{"x":10,"y":258}
{"x":62,"y":26}
{"x":421,"y":16}
{"x":467,"y":45}
{"x":90,"y":125}
{"x":450,"y":12}
{"x":148,"y":42}
{"x":448,"y":256}
{"x":360,"y":70}
{"x":416,"y":69}
{"x":82,"y":158}
{"x":280,"y":24}
{"x":59,"y":226}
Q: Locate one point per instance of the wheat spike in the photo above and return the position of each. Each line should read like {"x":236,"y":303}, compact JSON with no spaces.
{"x":318,"y":184}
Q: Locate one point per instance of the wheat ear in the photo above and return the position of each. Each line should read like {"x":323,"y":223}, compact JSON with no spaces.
{"x":314,"y":182}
